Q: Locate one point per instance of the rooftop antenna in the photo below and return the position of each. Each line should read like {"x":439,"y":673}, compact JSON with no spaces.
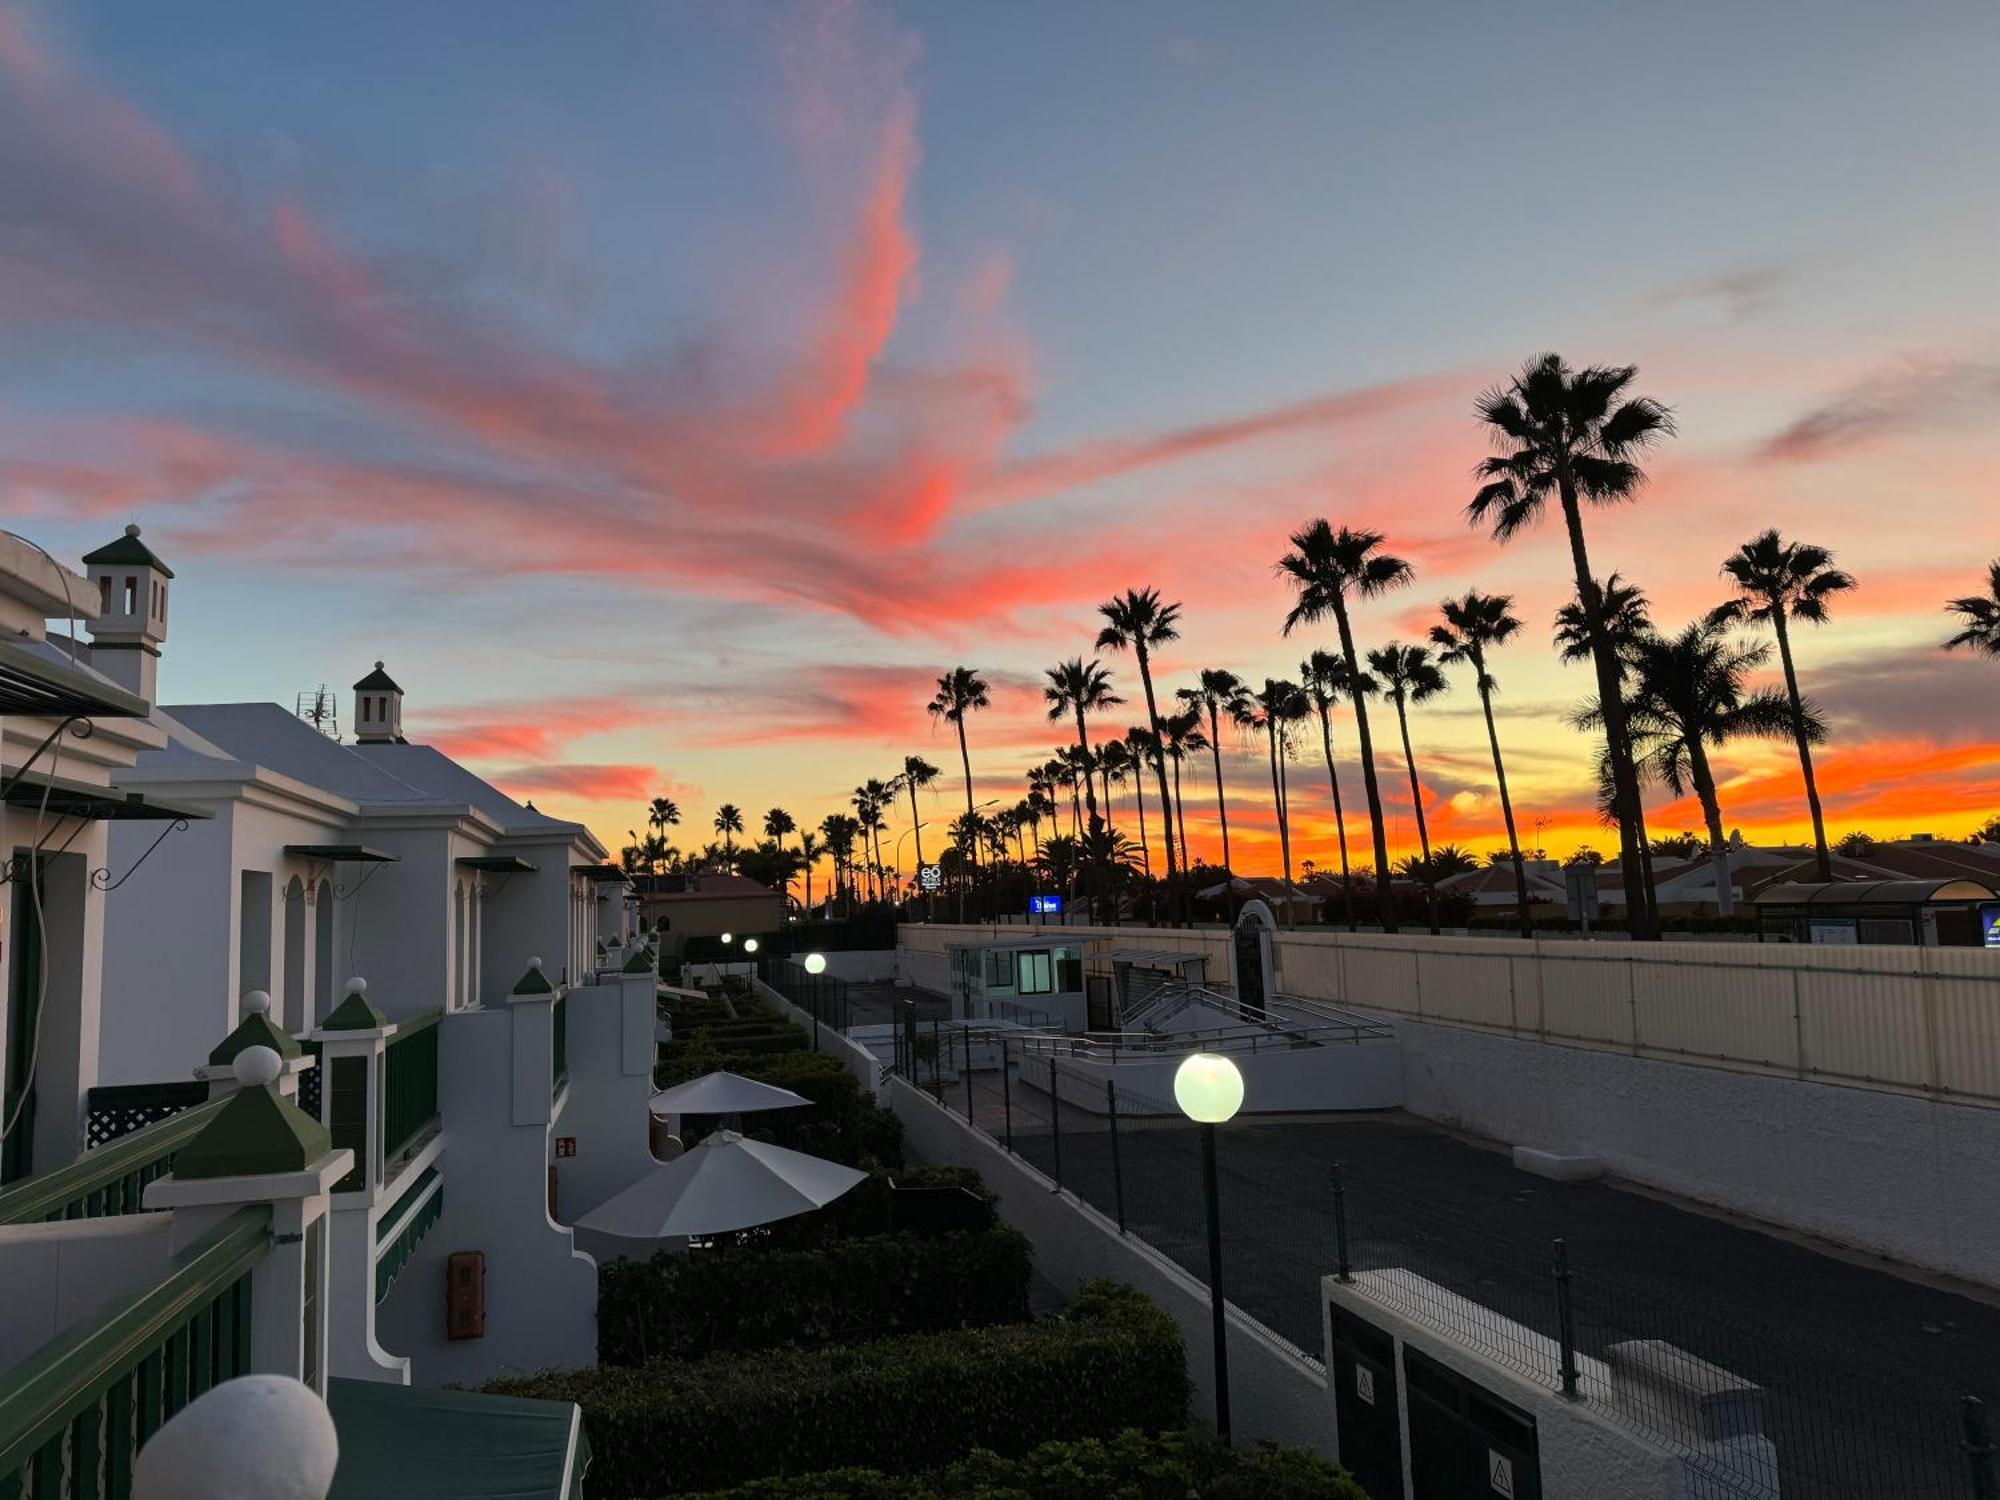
{"x":317,"y":709}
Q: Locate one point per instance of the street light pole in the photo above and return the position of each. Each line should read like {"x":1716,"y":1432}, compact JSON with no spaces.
{"x":1209,"y":1090}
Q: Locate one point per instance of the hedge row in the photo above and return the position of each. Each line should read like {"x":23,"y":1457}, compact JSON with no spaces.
{"x":900,"y":1405}
{"x":680,"y":1305}
{"x":1131,"y":1466}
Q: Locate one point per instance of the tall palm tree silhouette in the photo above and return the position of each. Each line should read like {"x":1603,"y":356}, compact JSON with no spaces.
{"x":1078,"y":688}
{"x":1219,"y":696}
{"x":1272,"y":709}
{"x":778,"y":823}
{"x":960,"y":691}
{"x":809,"y":851}
{"x":1142,"y":748}
{"x":1981,"y":616}
{"x":1624,"y":620}
{"x":1184,"y":737}
{"x":1408,"y":675}
{"x":1778,"y":582}
{"x":1326,"y":681}
{"x":917,"y":773}
{"x":1327,"y":568}
{"x":728,"y":821}
{"x":1137,"y":621}
{"x":661,"y":814}
{"x":1471,"y":627}
{"x":1574,"y":436}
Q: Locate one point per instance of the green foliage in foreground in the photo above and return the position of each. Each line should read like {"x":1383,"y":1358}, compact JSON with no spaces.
{"x":1131,"y":1466}
{"x":901,"y":1405}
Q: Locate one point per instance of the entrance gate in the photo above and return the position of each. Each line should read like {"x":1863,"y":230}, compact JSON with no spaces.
{"x":1364,"y":1403}
{"x":1466,"y":1442}
{"x":1251,"y":941}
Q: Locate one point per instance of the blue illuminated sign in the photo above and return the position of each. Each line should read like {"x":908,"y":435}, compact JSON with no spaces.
{"x":1989,"y":925}
{"x":1045,"y":906}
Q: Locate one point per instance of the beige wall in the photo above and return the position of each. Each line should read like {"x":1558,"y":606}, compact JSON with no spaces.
{"x":711,"y":916}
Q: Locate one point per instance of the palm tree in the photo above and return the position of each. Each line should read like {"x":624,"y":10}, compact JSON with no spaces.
{"x":959,"y":692}
{"x":1688,"y":695}
{"x":662,"y":814}
{"x":1114,"y":767}
{"x":728,"y":821}
{"x":809,"y":851}
{"x":1326,"y":681}
{"x":1078,"y":688}
{"x":1981,"y":614}
{"x":1183,"y":738}
{"x":1137,"y":621}
{"x":778,"y":823}
{"x":1327,"y":567}
{"x":1140,"y":748}
{"x":1271,"y":710}
{"x":1574,"y":435}
{"x":1219,"y":696}
{"x":917,"y":773}
{"x":1408,"y":675}
{"x":1778,"y":582}
{"x":1627,"y":617}
{"x":840,"y":832}
{"x":1472,"y":626}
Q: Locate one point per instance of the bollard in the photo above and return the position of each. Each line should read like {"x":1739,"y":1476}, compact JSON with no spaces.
{"x":1117,"y":1163}
{"x":1566,"y":1322}
{"x":1343,"y":1271}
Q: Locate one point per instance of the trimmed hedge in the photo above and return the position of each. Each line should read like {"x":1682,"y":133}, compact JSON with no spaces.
{"x":1131,"y":1466}
{"x":681,"y":1305}
{"x":1113,"y":1361}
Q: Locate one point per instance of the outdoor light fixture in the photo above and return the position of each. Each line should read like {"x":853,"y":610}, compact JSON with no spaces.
{"x":815,"y":963}
{"x":729,"y":937}
{"x":749,"y":945}
{"x":1209,"y":1090}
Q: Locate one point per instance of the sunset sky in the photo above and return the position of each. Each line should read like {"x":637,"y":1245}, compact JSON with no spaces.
{"x":669,"y":392}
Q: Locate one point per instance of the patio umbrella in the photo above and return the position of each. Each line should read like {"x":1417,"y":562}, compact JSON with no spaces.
{"x":725,"y":1183}
{"x":723,"y":1094}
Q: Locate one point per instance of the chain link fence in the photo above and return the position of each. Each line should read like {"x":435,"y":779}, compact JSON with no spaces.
{"x":1845,"y":1419}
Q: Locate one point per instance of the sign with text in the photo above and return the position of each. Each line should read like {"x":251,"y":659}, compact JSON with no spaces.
{"x":930,"y":877}
{"x":1045,"y":906}
{"x":1989,"y":926}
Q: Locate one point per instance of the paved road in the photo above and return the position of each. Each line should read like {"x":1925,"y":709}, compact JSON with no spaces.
{"x":1862,"y":1368}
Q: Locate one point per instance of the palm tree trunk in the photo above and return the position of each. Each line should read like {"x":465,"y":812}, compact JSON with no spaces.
{"x":1145,"y":843}
{"x":1221,"y":802}
{"x":1158,"y":751}
{"x":1506,"y":802}
{"x":1417,"y":801}
{"x":1180,"y":813}
{"x":1089,"y":793}
{"x":1711,"y":814}
{"x":1822,"y":856}
{"x":1339,"y":818}
{"x":917,"y":833}
{"x":1278,"y":803}
{"x":809,"y":890}
{"x":1384,"y":895}
{"x":1639,"y":920}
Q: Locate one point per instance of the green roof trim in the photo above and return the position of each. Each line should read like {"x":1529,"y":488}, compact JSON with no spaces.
{"x":256,"y":1030}
{"x":534,"y":982}
{"x":128,"y":552}
{"x":377,"y":681}
{"x":641,"y":962}
{"x":257,"y":1133}
{"x":355,"y":1014}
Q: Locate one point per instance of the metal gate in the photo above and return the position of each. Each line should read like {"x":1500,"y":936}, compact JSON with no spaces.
{"x":1251,"y":984}
{"x":1465,"y":1442}
{"x":1364,"y":1404}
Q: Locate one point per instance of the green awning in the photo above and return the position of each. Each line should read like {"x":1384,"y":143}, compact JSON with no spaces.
{"x":62,"y":797}
{"x":354,"y":854}
{"x":400,"y":1442}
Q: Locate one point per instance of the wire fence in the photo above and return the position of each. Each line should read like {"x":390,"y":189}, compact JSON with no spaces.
{"x":1841,"y":1418}
{"x":828,"y":1000}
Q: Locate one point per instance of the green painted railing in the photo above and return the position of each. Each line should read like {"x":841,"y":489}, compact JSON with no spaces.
{"x":402,"y":1229}
{"x":410,"y":1091}
{"x":560,"y":1054}
{"x":75,"y":1412}
{"x":108,"y":1181}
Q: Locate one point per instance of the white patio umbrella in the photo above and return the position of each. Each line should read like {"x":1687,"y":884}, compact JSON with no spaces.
{"x":723,"y":1094}
{"x":725,"y":1183}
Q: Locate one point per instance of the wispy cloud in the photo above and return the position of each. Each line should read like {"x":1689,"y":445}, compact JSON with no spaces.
{"x":1915,"y":395}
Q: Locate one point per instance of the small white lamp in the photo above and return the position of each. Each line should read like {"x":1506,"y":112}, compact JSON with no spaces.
{"x":749,"y":945}
{"x":815,"y":963}
{"x":1208,"y":1088}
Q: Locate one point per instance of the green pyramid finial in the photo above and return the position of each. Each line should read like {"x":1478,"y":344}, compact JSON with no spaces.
{"x":641,"y":962}
{"x":534,"y":982}
{"x":258,"y":1132}
{"x":355,"y":1013}
{"x":256,"y":1029}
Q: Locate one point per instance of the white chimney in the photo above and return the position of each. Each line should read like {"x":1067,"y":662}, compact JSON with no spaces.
{"x":378,"y":709}
{"x":130,"y":623}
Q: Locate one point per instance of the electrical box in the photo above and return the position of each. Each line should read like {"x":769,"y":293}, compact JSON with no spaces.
{"x":465,"y":1294}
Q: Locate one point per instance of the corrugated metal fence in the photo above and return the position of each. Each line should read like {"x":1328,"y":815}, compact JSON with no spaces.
{"x":1914,"y":1020}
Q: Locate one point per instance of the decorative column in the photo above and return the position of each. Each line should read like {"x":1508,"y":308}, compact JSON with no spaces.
{"x":263,"y":1149}
{"x":532,"y":1005}
{"x":353,"y":1046}
{"x":255,"y":1030}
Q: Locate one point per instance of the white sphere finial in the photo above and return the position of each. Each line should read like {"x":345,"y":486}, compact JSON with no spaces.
{"x":356,"y":986}
{"x":260,"y":1437}
{"x":257,"y":1002}
{"x":131,"y":528}
{"x":257,"y":1066}
{"x":378,"y":665}
{"x":535,"y":962}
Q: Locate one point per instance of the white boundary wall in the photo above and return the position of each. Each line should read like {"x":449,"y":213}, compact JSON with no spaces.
{"x":1277,"y":1394}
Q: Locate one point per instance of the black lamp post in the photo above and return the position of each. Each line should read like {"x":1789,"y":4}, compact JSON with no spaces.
{"x":1209,"y":1090}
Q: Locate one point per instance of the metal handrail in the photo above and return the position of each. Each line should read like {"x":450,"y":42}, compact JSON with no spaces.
{"x":107,"y":1181}
{"x":72,"y":1373}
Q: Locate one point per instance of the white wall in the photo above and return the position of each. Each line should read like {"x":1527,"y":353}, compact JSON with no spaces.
{"x":611,"y":1051}
{"x":58,"y":1273}
{"x":1277,"y":1393}
{"x":1882,"y":1172}
{"x":868,"y":965}
{"x":541,"y":1293}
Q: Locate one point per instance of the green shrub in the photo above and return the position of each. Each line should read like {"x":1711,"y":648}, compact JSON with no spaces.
{"x":1131,"y":1466}
{"x":680,"y":1305}
{"x":1113,"y":1361}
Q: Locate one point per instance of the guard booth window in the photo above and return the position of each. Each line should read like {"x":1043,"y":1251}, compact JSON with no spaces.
{"x":1037,"y":974}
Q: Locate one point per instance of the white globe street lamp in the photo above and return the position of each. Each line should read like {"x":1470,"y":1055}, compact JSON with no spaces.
{"x":1209,"y":1090}
{"x":749,"y":945}
{"x":729,"y":937}
{"x":815,"y":963}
